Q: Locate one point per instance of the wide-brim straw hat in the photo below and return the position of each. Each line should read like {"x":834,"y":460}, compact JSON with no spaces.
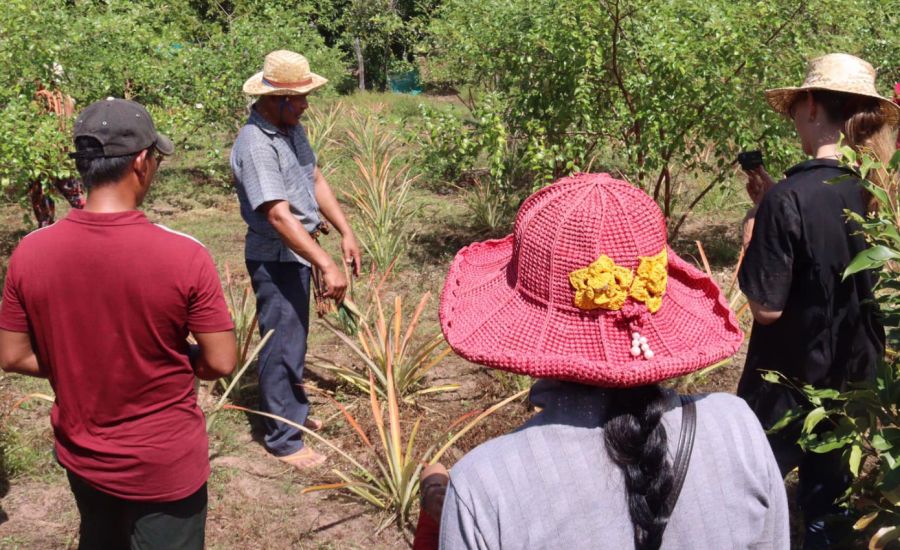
{"x":284,"y":73}
{"x":586,"y":289}
{"x":837,"y":72}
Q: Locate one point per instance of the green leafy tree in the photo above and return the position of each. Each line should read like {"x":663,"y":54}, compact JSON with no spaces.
{"x":652,"y":88}
{"x":382,"y":34}
{"x":184,"y":60}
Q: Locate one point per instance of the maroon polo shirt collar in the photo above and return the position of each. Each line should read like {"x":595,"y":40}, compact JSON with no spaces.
{"x":128,"y":217}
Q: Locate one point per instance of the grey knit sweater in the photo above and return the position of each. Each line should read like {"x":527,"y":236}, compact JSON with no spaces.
{"x":551,"y":484}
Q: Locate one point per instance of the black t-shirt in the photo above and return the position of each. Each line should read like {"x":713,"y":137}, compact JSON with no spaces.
{"x":829,"y":333}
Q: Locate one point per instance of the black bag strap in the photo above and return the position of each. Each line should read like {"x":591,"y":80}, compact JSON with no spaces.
{"x":685,"y":447}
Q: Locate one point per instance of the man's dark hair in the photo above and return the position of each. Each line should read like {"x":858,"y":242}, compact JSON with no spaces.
{"x":99,"y":171}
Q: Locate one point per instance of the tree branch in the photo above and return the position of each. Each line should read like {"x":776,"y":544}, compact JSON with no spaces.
{"x":719,"y":179}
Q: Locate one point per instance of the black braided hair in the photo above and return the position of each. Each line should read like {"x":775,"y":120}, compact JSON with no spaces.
{"x":636,"y":441}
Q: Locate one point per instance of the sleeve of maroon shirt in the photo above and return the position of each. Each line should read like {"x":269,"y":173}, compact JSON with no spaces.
{"x":12,"y":311}
{"x":207,"y":311}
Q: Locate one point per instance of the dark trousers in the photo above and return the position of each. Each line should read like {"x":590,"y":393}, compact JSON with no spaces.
{"x":112,"y":523}
{"x":822,"y":479}
{"x":282,"y":303}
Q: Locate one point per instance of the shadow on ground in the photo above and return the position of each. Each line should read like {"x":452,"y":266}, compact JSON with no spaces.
{"x":439,"y":242}
{"x":720,"y":239}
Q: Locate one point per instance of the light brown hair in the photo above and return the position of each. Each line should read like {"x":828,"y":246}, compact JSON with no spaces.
{"x":865,"y":130}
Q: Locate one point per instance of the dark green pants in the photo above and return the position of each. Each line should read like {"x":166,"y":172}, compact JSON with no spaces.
{"x":111,"y":523}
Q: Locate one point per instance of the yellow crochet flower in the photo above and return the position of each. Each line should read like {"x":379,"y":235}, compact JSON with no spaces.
{"x":602,"y":284}
{"x":650,"y":281}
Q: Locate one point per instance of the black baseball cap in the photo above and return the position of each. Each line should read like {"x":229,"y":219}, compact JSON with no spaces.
{"x":122,"y":127}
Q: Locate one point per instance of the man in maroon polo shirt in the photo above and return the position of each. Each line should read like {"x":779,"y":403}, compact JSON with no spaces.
{"x":102,"y":303}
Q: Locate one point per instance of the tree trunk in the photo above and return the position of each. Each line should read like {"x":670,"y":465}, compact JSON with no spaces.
{"x":387,"y":67}
{"x":360,"y":64}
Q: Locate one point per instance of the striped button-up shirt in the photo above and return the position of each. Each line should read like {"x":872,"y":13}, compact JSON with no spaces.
{"x":271,"y":165}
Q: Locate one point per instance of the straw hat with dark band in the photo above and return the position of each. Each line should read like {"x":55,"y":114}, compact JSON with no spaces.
{"x":284,"y":73}
{"x":837,"y":72}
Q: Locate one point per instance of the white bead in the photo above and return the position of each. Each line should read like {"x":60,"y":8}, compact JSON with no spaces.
{"x":635,"y":352}
{"x":643,"y":340}
{"x":645,"y":347}
{"x":635,"y":335}
{"x":648,"y":354}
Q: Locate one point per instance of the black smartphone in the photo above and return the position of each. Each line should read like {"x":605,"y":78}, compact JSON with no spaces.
{"x":750,"y":159}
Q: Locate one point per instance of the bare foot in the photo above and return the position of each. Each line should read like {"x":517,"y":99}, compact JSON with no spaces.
{"x":313,"y":424}
{"x":303,"y":459}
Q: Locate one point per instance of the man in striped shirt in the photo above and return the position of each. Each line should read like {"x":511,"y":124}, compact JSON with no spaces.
{"x":284,"y":199}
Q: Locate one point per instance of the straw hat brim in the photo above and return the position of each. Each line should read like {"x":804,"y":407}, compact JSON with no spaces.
{"x":781,"y":99}
{"x":256,"y":85}
{"x":480,"y":304}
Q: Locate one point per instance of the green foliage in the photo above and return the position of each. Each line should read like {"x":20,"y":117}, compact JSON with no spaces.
{"x":388,"y":32}
{"x":447,"y":146}
{"x":27,"y":452}
{"x":33,"y":147}
{"x":489,"y":205}
{"x":186,"y":67}
{"x":449,"y":153}
{"x":882,"y":229}
{"x":657,"y":87}
{"x":320,"y":124}
{"x":382,"y":195}
{"x":381,"y":191}
{"x":384,"y":341}
{"x":368,"y":139}
{"x":864,"y":421}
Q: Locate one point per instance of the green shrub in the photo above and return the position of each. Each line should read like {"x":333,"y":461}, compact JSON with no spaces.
{"x":188,"y":70}
{"x":652,"y":84}
{"x":33,"y":148}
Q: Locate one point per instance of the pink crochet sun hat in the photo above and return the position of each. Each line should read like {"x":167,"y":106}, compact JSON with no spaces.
{"x":586,"y":289}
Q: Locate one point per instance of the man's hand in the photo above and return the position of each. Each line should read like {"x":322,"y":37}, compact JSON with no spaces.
{"x":350,"y":252}
{"x":758,"y":183}
{"x":335,"y":282}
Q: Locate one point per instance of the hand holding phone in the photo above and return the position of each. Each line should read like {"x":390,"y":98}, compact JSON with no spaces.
{"x":749,"y":160}
{"x":758,"y":181}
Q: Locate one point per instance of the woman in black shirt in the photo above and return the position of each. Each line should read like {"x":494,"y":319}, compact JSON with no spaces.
{"x":809,"y":323}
